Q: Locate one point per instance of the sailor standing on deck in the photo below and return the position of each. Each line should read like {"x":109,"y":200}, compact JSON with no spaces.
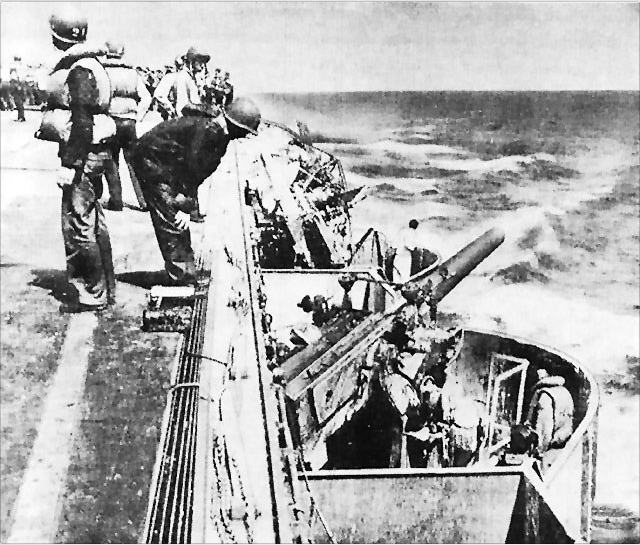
{"x":550,"y":415}
{"x":177,"y":90}
{"x":84,"y":90}
{"x":129,"y":104}
{"x":412,"y":257}
{"x":219,"y":89}
{"x":17,"y":79}
{"x":171,"y":161}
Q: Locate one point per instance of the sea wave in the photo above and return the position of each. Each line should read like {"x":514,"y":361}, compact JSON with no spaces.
{"x":600,"y":338}
{"x":520,"y":273}
{"x":626,"y":379}
{"x":512,"y":163}
{"x":325,"y":138}
{"x":417,"y":151}
{"x":403,"y":190}
{"x":396,"y":169}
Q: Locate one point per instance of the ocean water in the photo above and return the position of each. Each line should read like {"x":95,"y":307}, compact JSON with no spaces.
{"x":559,"y":172}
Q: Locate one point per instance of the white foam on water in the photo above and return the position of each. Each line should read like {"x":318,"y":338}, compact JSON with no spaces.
{"x":408,"y":185}
{"x":531,"y":223}
{"x":512,"y":163}
{"x":599,"y":338}
{"x":414,"y":154}
{"x":424,"y":130}
{"x":390,"y":217}
{"x":417,"y":150}
{"x":356,"y":180}
{"x":607,"y":156}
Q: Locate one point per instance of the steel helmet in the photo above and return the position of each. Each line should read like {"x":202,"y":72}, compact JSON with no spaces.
{"x":114,"y":49}
{"x":69,"y":26}
{"x":194,"y":54}
{"x":243,"y":113}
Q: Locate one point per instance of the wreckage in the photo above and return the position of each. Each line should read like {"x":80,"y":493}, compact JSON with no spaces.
{"x":316,"y":398}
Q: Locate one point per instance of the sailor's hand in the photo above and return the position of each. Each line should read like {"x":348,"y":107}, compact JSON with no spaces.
{"x":182,"y":220}
{"x":65,"y":177}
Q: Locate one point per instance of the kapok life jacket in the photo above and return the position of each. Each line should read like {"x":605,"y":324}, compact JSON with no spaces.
{"x":56,"y":119}
{"x":124,"y":88}
{"x":563,"y":409}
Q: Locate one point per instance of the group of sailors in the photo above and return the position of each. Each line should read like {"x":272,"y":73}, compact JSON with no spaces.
{"x":20,"y":88}
{"x":95,"y":106}
{"x":191,"y":82}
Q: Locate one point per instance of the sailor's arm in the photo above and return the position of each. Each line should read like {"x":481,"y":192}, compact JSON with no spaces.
{"x":145,"y":99}
{"x":228,"y":92}
{"x":161,"y":94}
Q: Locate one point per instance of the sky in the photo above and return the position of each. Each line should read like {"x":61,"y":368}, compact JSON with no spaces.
{"x":363,"y":46}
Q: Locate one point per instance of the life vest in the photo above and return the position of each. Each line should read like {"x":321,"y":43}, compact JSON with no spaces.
{"x":55,"y":125}
{"x":563,"y":409}
{"x":124,"y":88}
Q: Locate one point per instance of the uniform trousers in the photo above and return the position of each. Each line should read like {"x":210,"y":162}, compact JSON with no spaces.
{"x":174,"y":242}
{"x":123,"y":140}
{"x":86,"y":238}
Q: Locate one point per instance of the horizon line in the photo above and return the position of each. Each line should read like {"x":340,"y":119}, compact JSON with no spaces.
{"x":448,"y":91}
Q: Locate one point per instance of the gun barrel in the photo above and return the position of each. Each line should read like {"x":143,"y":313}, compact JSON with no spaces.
{"x":457,"y":267}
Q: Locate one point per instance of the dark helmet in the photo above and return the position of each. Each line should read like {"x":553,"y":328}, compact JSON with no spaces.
{"x":194,"y":54}
{"x":243,"y":113}
{"x":306,"y":304}
{"x":68,"y":26}
{"x":114,"y":49}
{"x":413,"y":224}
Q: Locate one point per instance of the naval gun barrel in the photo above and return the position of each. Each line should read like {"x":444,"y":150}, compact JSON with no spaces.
{"x":450,"y":273}
{"x":342,"y":342}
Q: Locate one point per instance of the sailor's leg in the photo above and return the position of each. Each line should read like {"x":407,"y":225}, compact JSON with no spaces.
{"x":128,"y":130}
{"x":104,"y":243}
{"x":142,"y":203}
{"x":112,"y":175}
{"x":81,"y":229}
{"x":174,"y":243}
{"x":18,"y":99}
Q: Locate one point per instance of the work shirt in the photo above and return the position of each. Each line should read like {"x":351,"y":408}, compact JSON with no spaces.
{"x":181,"y":153}
{"x":175,"y":91}
{"x":16,"y":71}
{"x":409,"y":239}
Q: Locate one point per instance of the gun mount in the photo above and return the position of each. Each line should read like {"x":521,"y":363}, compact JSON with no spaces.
{"x":329,"y":380}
